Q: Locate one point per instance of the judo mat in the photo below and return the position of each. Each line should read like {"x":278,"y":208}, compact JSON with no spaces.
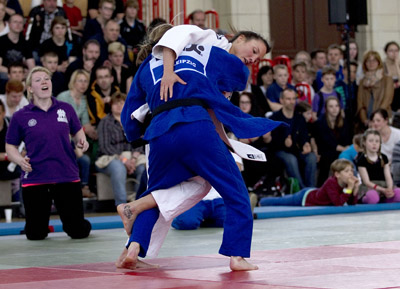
{"x":267,"y":212}
{"x":369,"y":265}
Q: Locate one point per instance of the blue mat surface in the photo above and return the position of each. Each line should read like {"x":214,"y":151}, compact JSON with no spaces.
{"x":293,"y":211}
{"x":98,"y":223}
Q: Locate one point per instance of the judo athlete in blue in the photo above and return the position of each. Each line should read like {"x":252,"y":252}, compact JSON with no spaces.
{"x":184,"y":142}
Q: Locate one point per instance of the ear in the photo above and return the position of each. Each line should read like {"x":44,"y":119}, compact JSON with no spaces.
{"x":336,"y":174}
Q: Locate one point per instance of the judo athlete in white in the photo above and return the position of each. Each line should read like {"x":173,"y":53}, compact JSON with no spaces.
{"x":184,"y":142}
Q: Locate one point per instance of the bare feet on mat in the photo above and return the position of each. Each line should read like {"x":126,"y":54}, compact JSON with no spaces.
{"x":123,"y":263}
{"x":240,"y":264}
{"x":128,"y":215}
{"x":131,"y":258}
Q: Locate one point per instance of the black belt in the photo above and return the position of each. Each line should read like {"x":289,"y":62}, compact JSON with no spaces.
{"x":177,"y":103}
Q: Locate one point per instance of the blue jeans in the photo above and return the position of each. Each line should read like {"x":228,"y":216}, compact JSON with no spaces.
{"x":209,"y":213}
{"x":287,"y":200}
{"x":117,"y":172}
{"x":84,"y":169}
{"x":293,"y":170}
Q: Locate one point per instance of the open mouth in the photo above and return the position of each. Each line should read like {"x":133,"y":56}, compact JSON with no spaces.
{"x":45,"y":88}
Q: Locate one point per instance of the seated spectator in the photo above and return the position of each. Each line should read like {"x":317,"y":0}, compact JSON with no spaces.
{"x":15,"y":72}
{"x":58,"y":43}
{"x":328,"y":79}
{"x":374,"y":168}
{"x":100,"y":95}
{"x":339,"y":189}
{"x":116,"y":156}
{"x":75,"y":19}
{"x":133,"y":30}
{"x":265,"y":77}
{"x":93,"y":9}
{"x":281,"y":77}
{"x":13,"y":47}
{"x":89,"y":60}
{"x":334,"y":56}
{"x":305,"y":109}
{"x":352,"y":151}
{"x":396,"y":164}
{"x":50,"y":61}
{"x":14,"y":98}
{"x":209,"y":212}
{"x":110,"y":34}
{"x":39,"y":23}
{"x":96,"y":24}
{"x":392,"y":69}
{"x":122,"y":75}
{"x":4,"y":29}
{"x":332,"y":136}
{"x":78,"y":85}
{"x":375,"y":89}
{"x":5,"y":174}
{"x":389,"y":134}
{"x":198,"y":18}
{"x":292,"y":143}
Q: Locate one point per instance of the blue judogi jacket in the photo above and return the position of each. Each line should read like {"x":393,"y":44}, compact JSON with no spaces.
{"x":208,"y":70}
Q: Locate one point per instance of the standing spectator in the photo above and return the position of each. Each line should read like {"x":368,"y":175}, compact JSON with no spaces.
{"x":303,"y":56}
{"x":292,"y":143}
{"x":281,"y":77}
{"x":58,"y":43}
{"x":50,"y":61}
{"x":318,"y":59}
{"x":133,"y":30}
{"x":332,"y":136}
{"x":389,"y":134}
{"x":122,"y":75}
{"x":13,"y":46}
{"x":110,"y":34}
{"x":96,"y":25}
{"x":14,"y":98}
{"x":335,"y":55}
{"x":117,"y":158}
{"x":78,"y":85}
{"x":396,"y":164}
{"x":39,"y":24}
{"x":265,"y":77}
{"x":375,"y":89}
{"x":374,"y":168}
{"x":300,"y":75}
{"x":50,"y":172}
{"x":392,"y":69}
{"x":88,"y":61}
{"x":75,"y":19}
{"x":327,"y":90}
{"x":13,"y":7}
{"x":100,"y":95}
{"x":198,"y":18}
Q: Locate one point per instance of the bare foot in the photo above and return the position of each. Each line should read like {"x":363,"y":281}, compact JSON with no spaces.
{"x":131,"y":258}
{"x":128,"y":215}
{"x":240,"y":264}
{"x":122,"y":264}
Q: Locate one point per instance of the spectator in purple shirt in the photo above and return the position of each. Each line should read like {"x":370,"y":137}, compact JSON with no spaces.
{"x":50,"y":172}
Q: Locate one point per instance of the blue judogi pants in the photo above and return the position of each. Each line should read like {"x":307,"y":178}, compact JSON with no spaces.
{"x":188,"y":150}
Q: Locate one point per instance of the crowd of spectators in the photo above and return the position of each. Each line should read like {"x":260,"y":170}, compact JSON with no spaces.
{"x":92,"y":62}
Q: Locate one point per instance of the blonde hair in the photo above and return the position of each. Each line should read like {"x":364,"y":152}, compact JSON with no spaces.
{"x":116,"y":46}
{"x":75,"y":75}
{"x":29,"y":78}
{"x":340,"y":164}
{"x":153,"y":37}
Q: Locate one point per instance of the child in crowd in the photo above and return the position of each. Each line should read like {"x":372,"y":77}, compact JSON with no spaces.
{"x":337,"y":190}
{"x":328,"y":80}
{"x":281,"y":76}
{"x":300,"y":77}
{"x":351,"y":152}
{"x":50,"y":61}
{"x":374,"y":169}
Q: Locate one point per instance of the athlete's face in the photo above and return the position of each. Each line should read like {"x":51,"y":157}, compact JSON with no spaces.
{"x":249,"y":51}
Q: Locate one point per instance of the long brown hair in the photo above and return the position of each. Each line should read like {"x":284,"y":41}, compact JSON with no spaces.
{"x":339,"y":119}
